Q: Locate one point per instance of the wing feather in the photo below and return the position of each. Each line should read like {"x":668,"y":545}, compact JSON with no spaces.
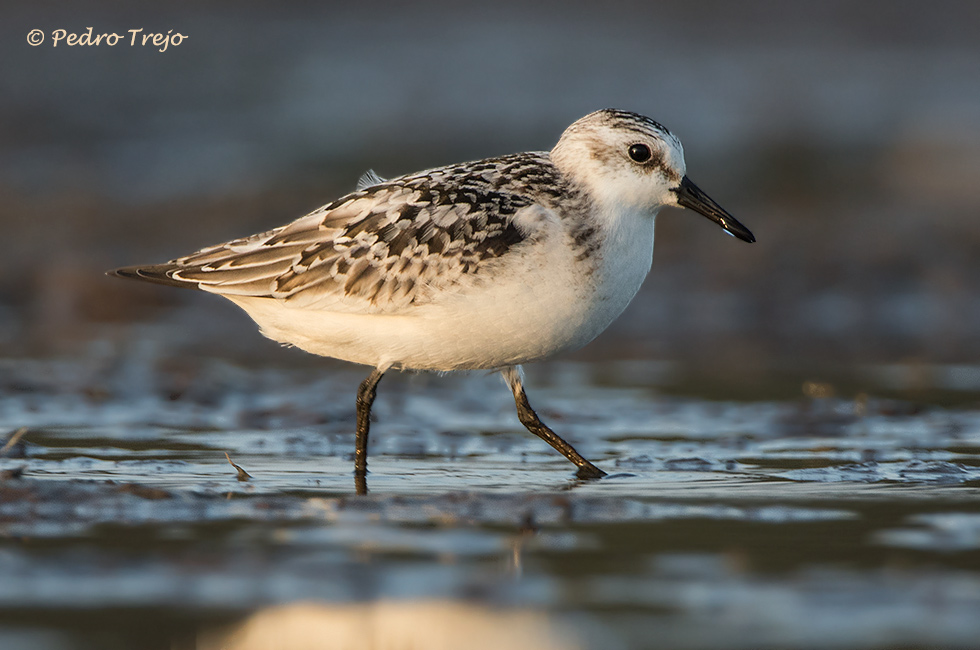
{"x":381,"y":248}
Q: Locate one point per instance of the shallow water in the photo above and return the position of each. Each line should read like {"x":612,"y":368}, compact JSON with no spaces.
{"x":809,"y":523}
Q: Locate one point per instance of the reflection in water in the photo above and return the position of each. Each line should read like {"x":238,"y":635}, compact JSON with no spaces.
{"x":393,"y":625}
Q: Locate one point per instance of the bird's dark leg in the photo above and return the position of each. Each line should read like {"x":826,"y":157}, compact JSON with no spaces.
{"x":530,"y":419}
{"x":365,"y":398}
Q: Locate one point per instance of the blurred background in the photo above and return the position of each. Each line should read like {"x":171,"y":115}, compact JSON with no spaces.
{"x":845,"y":135}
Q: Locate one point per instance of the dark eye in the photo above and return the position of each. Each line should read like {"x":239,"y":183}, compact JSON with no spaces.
{"x":640,"y":153}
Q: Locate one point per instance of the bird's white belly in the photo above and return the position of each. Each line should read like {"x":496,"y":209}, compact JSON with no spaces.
{"x":542,"y":302}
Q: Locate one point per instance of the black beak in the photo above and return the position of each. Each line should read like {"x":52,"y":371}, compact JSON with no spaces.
{"x":690,"y":196}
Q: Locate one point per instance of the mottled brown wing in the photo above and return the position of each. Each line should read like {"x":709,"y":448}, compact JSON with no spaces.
{"x":376,"y":250}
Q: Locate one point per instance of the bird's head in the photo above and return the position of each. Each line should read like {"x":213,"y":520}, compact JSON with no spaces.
{"x":630,"y":162}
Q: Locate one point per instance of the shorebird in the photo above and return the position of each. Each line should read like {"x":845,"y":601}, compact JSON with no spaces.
{"x":481,"y":265}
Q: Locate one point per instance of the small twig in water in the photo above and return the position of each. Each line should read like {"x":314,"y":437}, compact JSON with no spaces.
{"x":242,"y":474}
{"x":12,"y":440}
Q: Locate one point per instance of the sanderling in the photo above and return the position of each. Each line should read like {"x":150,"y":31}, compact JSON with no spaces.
{"x":480,"y":265}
